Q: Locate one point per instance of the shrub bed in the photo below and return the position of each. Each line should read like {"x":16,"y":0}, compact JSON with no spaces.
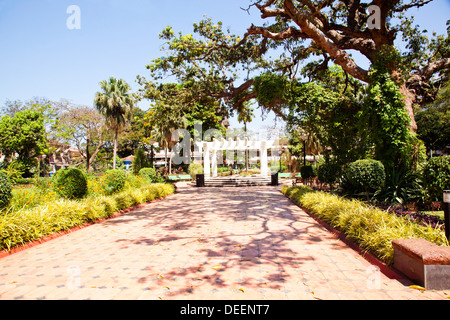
{"x":113,"y":181}
{"x":148,"y":173}
{"x":372,"y":229}
{"x":22,"y":226}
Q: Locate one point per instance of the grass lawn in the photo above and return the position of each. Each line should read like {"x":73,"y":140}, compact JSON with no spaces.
{"x":439,"y":214}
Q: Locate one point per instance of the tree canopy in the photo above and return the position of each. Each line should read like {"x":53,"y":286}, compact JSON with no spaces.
{"x":214,"y":66}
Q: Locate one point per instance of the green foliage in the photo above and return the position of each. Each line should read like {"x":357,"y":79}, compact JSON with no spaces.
{"x":194,"y":169}
{"x":373,"y":229}
{"x":24,"y":134}
{"x":329,"y":172}
{"x":140,"y":160}
{"x":14,"y":171}
{"x":19,"y":227}
{"x":113,"y":181}
{"x":433,"y":121}
{"x":384,"y":120}
{"x":402,"y":186}
{"x":436,"y":177}
{"x":271,"y":89}
{"x":363,"y":176}
{"x":70,"y":183}
{"x":308,"y":172}
{"x":148,"y":174}
{"x":5,"y":190}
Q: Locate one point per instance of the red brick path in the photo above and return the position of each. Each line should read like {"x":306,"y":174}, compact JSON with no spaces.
{"x":208,"y":243}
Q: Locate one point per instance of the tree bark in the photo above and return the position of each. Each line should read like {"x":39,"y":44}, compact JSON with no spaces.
{"x":409,"y":105}
{"x":88,"y":160}
{"x":115,"y":148}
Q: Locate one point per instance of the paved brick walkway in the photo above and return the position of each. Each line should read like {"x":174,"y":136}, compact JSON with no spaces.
{"x":209,"y":243}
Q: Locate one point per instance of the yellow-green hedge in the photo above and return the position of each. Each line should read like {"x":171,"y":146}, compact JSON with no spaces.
{"x":371,"y":228}
{"x":22,"y":226}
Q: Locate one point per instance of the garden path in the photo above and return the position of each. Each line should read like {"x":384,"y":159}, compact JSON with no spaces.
{"x":202,"y":243}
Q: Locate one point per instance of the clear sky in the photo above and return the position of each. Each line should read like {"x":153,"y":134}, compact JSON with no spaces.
{"x":41,"y":57}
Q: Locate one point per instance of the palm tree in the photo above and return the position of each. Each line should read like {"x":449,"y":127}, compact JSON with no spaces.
{"x":165,"y":120}
{"x":114,"y":103}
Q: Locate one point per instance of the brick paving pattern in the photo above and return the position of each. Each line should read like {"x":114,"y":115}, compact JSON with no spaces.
{"x":208,"y":243}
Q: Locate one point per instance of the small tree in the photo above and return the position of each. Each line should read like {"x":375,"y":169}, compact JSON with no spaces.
{"x":364,"y":176}
{"x":140,"y":161}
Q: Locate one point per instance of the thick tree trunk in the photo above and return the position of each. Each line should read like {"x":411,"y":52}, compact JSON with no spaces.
{"x":409,"y":103}
{"x":88,"y":160}
{"x":115,"y":149}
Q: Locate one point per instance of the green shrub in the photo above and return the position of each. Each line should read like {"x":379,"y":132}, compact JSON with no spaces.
{"x":148,"y":174}
{"x":436,"y":177}
{"x":363,"y":176}
{"x":308,"y":172}
{"x":373,"y":229}
{"x":70,"y":183}
{"x":328,"y":173}
{"x":194,"y":169}
{"x":5,"y":190}
{"x":113,"y":181}
{"x":14,"y":171}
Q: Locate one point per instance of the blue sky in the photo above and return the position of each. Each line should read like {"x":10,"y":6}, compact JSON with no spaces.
{"x":40,"y":56}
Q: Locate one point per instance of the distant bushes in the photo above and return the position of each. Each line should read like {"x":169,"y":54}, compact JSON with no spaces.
{"x":149,"y":174}
{"x":113,"y":181}
{"x":194,"y":169}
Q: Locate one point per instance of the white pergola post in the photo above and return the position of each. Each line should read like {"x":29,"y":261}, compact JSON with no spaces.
{"x":214,"y":162}
{"x":263,"y":159}
{"x":206,"y":166}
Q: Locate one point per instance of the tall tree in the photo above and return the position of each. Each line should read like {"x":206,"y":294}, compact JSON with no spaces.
{"x":115,"y":103}
{"x":23,"y":135}
{"x":85,"y":127}
{"x":324,"y":31}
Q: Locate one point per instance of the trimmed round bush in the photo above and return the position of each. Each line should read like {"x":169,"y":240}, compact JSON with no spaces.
{"x":70,"y":183}
{"x":436,"y":177}
{"x":148,"y":174}
{"x":365,"y":175}
{"x":5,"y":190}
{"x":113,"y":181}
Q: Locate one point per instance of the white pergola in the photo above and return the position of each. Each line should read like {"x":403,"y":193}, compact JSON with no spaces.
{"x":210,"y":151}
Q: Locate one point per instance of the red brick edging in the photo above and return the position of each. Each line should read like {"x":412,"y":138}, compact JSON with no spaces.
{"x":33,"y":243}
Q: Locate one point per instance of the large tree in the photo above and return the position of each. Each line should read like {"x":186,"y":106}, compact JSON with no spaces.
{"x":83,"y":126}
{"x":23,"y":137}
{"x":311,"y":34}
{"x":115,"y":103}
